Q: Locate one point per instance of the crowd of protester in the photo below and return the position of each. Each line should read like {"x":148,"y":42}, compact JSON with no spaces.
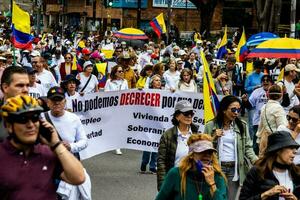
{"x":248,"y":151}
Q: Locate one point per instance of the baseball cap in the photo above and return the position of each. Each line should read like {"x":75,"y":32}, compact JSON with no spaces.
{"x":30,"y":70}
{"x":85,"y":51}
{"x":201,"y":146}
{"x":183,"y":106}
{"x":181,"y":52}
{"x":291,"y":67}
{"x":56,"y":93}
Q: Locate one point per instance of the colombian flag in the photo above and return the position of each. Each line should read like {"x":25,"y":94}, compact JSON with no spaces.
{"x":21,"y":37}
{"x":158,"y":24}
{"x":242,"y":50}
{"x":222,"y":48}
{"x":211,"y":101}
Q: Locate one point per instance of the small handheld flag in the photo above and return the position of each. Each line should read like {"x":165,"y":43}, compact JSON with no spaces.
{"x":222,"y":48}
{"x":21,"y":37}
{"x":158,"y":24}
{"x":242,"y":50}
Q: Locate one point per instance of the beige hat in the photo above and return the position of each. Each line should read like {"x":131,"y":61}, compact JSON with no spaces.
{"x":291,"y":67}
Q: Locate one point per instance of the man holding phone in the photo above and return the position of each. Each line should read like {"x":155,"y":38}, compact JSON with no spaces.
{"x":29,"y":162}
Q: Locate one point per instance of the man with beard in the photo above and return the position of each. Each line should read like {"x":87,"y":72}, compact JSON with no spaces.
{"x":32,"y":157}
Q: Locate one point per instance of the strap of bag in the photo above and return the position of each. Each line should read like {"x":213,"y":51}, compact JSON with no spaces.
{"x":86,"y":84}
{"x":267,"y":119}
{"x":50,"y":121}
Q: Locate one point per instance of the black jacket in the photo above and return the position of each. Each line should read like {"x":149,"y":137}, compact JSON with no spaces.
{"x":254,"y":185}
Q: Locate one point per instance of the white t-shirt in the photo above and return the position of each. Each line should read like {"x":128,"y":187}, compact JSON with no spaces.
{"x":171,"y":79}
{"x":290,"y":87}
{"x":182,"y":147}
{"x":258,"y":98}
{"x":116,"y":85}
{"x":47,"y":79}
{"x":90,"y":88}
{"x":228,"y":148}
{"x":70,"y":129}
{"x":285,"y":180}
{"x":69,"y":102}
{"x":37,"y":91}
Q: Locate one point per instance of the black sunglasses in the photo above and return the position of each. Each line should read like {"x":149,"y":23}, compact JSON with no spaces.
{"x":294,"y":120}
{"x":235,"y":110}
{"x":266,"y":80}
{"x":188,"y":113}
{"x":24,"y":118}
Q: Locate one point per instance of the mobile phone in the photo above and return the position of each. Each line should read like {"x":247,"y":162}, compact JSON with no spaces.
{"x":45,"y":132}
{"x":199,"y":166}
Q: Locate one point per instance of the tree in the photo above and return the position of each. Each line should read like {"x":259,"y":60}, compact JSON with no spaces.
{"x":268,"y":14}
{"x":206,"y":9}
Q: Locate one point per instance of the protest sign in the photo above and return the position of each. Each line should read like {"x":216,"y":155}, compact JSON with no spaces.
{"x":131,"y":119}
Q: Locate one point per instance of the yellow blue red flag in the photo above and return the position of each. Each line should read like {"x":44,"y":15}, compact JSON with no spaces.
{"x":21,"y":37}
{"x":158,"y":24}
{"x":222,"y":48}
{"x":211,"y":101}
{"x":242,"y":50}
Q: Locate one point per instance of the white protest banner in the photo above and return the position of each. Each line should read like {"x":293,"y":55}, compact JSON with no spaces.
{"x":131,"y":119}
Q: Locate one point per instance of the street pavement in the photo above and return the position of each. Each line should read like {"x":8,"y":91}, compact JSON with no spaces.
{"x":117,"y":177}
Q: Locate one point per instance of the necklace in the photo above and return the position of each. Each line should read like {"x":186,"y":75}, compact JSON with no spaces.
{"x":199,"y":189}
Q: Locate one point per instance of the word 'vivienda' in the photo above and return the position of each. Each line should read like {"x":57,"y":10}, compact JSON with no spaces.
{"x":147,"y":116}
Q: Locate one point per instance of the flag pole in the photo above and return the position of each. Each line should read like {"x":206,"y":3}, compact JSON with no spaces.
{"x":13,"y":47}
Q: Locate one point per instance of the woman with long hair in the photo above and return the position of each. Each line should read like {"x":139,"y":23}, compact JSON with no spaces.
{"x":67,"y":67}
{"x":145,"y":73}
{"x":186,"y":82}
{"x":173,"y":142}
{"x":231,"y":138}
{"x":198,"y":176}
{"x":171,"y":76}
{"x":293,"y":128}
{"x":274,"y":176}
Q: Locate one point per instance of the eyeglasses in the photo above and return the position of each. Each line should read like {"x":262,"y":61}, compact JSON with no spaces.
{"x":235,"y":110}
{"x":188,"y":113}
{"x":24,"y":118}
{"x":266,"y":80}
{"x":120,"y":71}
{"x":294,"y":120}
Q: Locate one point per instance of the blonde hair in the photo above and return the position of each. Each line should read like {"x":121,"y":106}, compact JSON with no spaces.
{"x":188,"y":162}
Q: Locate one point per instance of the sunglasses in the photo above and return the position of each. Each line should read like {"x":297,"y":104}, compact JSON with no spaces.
{"x":188,"y":113}
{"x":235,"y":110}
{"x":294,"y":120}
{"x":24,"y":118}
{"x":266,"y":80}
{"x":120,"y":71}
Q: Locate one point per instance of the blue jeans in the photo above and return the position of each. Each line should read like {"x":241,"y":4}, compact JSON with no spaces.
{"x":232,"y":186}
{"x":250,"y":122}
{"x":146,"y":159}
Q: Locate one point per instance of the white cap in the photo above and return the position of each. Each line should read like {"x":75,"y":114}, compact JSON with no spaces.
{"x":35,"y":53}
{"x":182,"y":52}
{"x":87,"y":63}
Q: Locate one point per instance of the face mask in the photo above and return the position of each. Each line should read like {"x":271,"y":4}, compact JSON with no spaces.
{"x":149,"y":51}
{"x":138,"y":52}
{"x":166,"y":59}
{"x":107,"y":41}
{"x":49,"y":62}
